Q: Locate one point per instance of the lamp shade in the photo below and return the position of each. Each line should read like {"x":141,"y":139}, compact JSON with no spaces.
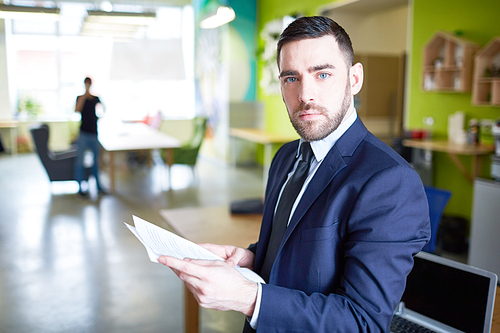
{"x":28,"y":13}
{"x":99,"y":16}
{"x":118,"y":24}
{"x":223,"y":15}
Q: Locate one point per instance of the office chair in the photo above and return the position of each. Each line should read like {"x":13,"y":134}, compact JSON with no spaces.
{"x":187,"y":154}
{"x":60,"y":166}
{"x":438,"y":199}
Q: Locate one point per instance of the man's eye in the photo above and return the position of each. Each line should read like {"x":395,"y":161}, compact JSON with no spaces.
{"x":323,"y":75}
{"x":290,"y":79}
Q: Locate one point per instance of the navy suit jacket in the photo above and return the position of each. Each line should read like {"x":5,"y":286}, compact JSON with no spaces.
{"x":344,"y":258}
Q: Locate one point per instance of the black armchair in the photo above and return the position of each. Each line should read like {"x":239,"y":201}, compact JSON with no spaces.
{"x":60,"y":166}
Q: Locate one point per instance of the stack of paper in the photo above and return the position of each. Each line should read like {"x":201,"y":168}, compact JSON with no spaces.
{"x":159,"y":242}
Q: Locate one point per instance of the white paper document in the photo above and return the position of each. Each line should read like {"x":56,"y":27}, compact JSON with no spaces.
{"x":159,"y":241}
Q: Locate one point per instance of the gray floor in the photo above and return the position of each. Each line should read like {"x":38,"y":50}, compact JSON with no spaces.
{"x":68,"y":264}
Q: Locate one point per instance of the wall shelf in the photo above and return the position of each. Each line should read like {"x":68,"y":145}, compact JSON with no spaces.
{"x":448,"y":63}
{"x":486,"y":81}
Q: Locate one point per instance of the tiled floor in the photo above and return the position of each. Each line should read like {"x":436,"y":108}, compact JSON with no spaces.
{"x":68,"y":264}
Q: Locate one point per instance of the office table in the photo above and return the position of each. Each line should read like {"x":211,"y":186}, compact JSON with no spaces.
{"x":217,"y":225}
{"x":262,"y":137}
{"x":495,"y":325}
{"x":11,"y":125}
{"x":453,"y":150}
{"x":121,"y":137}
{"x":210,"y":225}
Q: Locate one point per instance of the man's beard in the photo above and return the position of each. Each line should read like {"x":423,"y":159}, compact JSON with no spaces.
{"x":317,"y":130}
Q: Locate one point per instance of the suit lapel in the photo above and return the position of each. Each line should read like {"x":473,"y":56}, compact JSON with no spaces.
{"x":329,"y":168}
{"x":326,"y":172}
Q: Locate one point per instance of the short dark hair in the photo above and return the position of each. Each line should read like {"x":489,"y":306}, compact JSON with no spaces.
{"x":87,"y":80}
{"x":315,"y":27}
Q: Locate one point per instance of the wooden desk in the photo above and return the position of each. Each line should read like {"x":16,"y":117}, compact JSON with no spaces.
{"x":217,"y":225}
{"x":210,"y":225}
{"x":119,"y":137}
{"x":453,"y":150}
{"x":262,"y":137}
{"x":495,"y":325}
{"x":11,"y":125}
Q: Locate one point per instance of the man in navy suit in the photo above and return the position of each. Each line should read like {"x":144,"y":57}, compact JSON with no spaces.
{"x":358,"y":220}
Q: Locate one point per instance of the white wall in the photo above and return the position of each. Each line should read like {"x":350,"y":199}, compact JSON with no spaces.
{"x":62,"y":133}
{"x":5,"y":108}
{"x":382,"y":32}
{"x":239,"y":66}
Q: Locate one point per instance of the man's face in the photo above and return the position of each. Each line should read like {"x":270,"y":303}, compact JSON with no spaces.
{"x":317,"y":86}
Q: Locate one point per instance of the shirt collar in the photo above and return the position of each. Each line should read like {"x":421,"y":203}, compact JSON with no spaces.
{"x":321,"y":147}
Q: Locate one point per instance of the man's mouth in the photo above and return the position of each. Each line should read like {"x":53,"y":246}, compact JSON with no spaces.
{"x":309,"y":114}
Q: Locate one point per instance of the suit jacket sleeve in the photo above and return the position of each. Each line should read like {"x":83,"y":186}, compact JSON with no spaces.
{"x":372,"y":221}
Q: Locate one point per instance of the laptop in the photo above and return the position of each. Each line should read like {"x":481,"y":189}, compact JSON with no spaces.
{"x":443,"y":295}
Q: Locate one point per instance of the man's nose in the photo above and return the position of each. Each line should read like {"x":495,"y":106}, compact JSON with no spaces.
{"x":307,"y":91}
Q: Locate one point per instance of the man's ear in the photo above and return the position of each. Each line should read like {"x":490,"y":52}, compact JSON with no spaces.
{"x":356,"y":77}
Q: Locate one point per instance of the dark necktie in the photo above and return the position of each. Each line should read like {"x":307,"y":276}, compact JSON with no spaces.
{"x":288,"y":197}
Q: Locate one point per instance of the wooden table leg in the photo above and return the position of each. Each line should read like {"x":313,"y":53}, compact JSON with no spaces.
{"x":149,"y":157}
{"x":191,"y":313}
{"x":170,"y":162}
{"x":170,"y":157}
{"x":454,"y":158}
{"x":112,"y":171}
{"x":13,"y":141}
{"x":476,"y":166}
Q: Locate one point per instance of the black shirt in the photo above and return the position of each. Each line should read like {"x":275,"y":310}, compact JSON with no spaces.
{"x":89,"y":117}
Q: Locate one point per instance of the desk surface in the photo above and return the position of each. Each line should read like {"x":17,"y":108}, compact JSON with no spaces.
{"x":449,"y":147}
{"x":8,"y":123}
{"x":453,"y":151}
{"x":133,"y":136}
{"x":260,"y":136}
{"x":495,"y":326}
{"x":214,"y":225}
{"x":210,"y":225}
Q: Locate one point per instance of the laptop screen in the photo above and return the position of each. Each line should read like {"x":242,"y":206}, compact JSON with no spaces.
{"x":455,"y":294}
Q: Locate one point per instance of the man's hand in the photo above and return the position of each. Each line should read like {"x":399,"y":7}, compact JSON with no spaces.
{"x":215,"y":284}
{"x":80,"y":101}
{"x":232,"y":255}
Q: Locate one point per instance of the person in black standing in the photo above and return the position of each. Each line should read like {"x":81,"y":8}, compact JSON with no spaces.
{"x":87,"y":139}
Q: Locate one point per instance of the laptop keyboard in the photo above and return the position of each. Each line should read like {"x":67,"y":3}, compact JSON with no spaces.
{"x":402,"y":325}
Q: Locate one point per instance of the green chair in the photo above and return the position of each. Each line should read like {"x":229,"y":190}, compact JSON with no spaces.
{"x":187,"y":154}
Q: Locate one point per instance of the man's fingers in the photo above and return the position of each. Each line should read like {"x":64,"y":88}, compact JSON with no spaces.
{"x":180,"y":267}
{"x":233,"y":261}
{"x":217,"y":249}
{"x":171,"y":262}
{"x":191,"y":267}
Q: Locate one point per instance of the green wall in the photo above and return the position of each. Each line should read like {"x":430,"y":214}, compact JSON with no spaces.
{"x":478,"y":22}
{"x":276,"y":117}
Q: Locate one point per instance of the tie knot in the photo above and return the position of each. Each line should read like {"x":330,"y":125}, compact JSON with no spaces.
{"x":305,"y":149}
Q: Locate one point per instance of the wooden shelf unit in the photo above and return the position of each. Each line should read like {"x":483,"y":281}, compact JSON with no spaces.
{"x":447,"y":63}
{"x":486,"y":89}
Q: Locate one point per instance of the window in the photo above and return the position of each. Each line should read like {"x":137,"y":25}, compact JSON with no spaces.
{"x":134,"y":77}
